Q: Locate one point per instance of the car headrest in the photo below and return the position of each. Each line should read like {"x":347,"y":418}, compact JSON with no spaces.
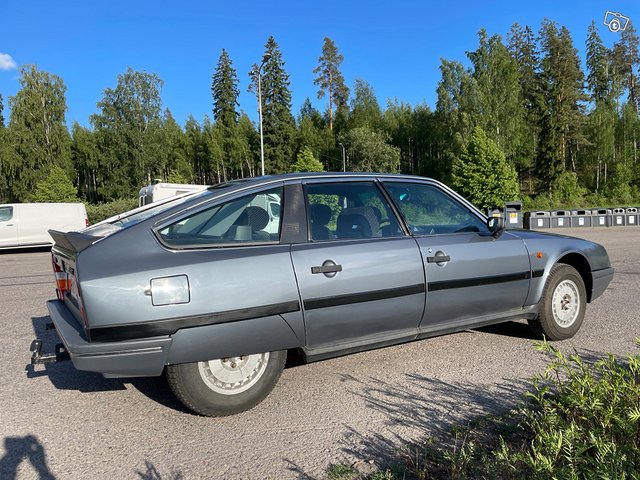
{"x":320,"y":214}
{"x":257,"y":217}
{"x":357,"y":222}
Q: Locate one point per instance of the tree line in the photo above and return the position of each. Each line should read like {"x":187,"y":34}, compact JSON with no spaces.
{"x":522,"y":120}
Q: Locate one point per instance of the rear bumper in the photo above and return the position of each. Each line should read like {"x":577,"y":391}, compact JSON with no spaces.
{"x":132,"y":358}
{"x":600,"y":281}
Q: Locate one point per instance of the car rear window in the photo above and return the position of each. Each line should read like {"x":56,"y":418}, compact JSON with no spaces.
{"x":137,"y":215}
{"x":253,"y":218}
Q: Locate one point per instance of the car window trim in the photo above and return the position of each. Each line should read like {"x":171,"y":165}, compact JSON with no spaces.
{"x":376,"y":184}
{"x":211,"y":203}
{"x":452,"y":194}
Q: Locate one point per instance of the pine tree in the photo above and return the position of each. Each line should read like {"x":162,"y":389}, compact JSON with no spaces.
{"x":626,"y":59}
{"x":1,"y":112}
{"x":482,"y":173}
{"x":55,"y":187}
{"x":86,"y":158}
{"x":177,"y":168}
{"x":365,"y":110}
{"x":563,"y":96}
{"x":602,"y":118}
{"x":306,"y":162}
{"x":314,"y":133}
{"x":330,"y":79}
{"x":522,"y":46}
{"x":277,"y":121}
{"x":224,"y":89}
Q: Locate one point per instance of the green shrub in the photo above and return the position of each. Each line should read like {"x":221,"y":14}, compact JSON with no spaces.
{"x":580,"y":420}
{"x":97,"y":213}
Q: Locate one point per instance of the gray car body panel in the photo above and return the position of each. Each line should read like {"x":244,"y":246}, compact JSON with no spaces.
{"x":253,"y":298}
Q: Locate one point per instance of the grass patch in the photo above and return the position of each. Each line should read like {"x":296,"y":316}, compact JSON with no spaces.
{"x":579,"y":420}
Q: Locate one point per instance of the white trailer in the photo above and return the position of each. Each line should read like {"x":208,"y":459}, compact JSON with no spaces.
{"x":160,"y":191}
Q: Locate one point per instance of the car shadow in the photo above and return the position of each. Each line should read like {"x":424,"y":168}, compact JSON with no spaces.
{"x":509,"y":329}
{"x":64,"y":376}
{"x":25,"y":250}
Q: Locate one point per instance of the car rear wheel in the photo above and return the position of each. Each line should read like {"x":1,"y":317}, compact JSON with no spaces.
{"x":226,"y":386}
{"x":562,"y":306}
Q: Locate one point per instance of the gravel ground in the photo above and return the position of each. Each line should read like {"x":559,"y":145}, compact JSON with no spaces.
{"x":60,"y":423}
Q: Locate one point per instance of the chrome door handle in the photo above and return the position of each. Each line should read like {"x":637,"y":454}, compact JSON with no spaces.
{"x":438,"y":259}
{"x":327,"y":268}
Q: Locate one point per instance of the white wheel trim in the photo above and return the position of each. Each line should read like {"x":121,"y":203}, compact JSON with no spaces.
{"x":565,"y":303}
{"x":233,"y":375}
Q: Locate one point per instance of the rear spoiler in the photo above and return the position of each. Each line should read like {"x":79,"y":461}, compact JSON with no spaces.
{"x":72,"y":241}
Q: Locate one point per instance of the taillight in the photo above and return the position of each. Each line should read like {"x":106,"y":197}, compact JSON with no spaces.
{"x":63,"y":282}
{"x":86,"y":221}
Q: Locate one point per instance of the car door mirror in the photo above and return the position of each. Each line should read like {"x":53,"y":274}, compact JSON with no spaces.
{"x":495,"y":226}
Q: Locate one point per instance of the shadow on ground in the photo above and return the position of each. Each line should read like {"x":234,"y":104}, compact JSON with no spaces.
{"x":19,"y":449}
{"x":25,"y":250}
{"x":64,"y":376}
{"x":509,"y":329}
{"x":423,"y":410}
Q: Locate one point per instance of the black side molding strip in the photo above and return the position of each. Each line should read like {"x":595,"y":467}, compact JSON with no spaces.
{"x":172,"y":325}
{"x":363,"y":297}
{"x":480,"y":281}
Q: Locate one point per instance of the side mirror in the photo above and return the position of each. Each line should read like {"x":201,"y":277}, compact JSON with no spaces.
{"x":496,"y":226}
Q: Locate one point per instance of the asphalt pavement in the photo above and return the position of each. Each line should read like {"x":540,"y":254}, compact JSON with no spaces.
{"x":361,"y":409}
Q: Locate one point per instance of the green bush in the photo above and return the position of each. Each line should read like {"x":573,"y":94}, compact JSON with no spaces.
{"x":579,"y":420}
{"x":97,"y":213}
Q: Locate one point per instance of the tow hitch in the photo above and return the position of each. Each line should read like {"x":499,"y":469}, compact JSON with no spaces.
{"x":38,"y":358}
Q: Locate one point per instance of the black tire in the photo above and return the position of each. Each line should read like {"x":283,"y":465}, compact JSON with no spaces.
{"x":199,"y":389}
{"x":566,"y":288}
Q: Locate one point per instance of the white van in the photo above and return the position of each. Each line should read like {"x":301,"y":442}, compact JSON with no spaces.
{"x":160,"y":191}
{"x":27,"y":224}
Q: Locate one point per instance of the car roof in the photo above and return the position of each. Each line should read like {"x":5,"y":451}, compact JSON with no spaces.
{"x":264,"y":180}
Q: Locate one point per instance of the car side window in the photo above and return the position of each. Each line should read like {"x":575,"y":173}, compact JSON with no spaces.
{"x":253,"y":218}
{"x":428,"y":210}
{"x":349,"y":210}
{"x":6,"y":213}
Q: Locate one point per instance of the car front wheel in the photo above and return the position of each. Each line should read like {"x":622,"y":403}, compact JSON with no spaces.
{"x":226,"y":386}
{"x":563,"y":303}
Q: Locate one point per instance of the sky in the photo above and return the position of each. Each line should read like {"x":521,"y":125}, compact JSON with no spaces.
{"x":396,"y":46}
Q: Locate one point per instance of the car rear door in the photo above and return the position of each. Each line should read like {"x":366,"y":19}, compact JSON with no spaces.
{"x":360,"y":275}
{"x":470,"y":274}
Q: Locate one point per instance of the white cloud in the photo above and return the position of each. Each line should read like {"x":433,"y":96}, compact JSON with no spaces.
{"x":6,"y":62}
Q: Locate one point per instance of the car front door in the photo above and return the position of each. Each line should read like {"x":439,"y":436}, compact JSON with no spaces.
{"x":470,"y":274}
{"x":360,"y":275}
{"x":8,"y":227}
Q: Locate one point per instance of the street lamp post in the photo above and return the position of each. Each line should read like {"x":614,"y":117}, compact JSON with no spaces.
{"x":344,"y":161}
{"x":259,"y":72}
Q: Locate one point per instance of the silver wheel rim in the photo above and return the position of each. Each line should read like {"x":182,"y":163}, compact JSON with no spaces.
{"x":566,"y":303}
{"x":233,"y":375}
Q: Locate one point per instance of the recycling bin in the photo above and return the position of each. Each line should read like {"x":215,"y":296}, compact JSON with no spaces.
{"x":560,"y":219}
{"x":619,"y":217}
{"x":631,"y":214}
{"x":580,"y":218}
{"x":513,"y":215}
{"x":601,"y":217}
{"x":540,"y":219}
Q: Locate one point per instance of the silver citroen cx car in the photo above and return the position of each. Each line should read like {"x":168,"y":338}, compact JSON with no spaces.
{"x":214,"y":288}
